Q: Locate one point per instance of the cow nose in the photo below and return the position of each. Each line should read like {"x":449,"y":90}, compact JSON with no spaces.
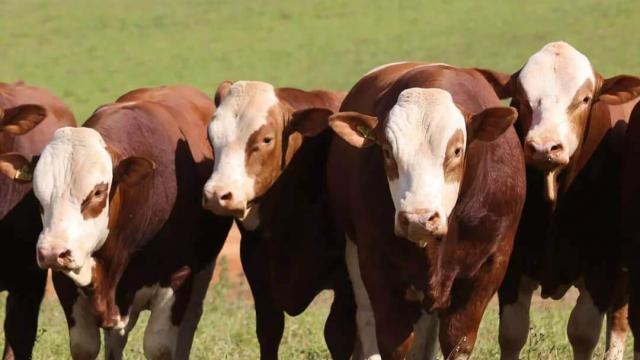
{"x":545,"y":154}
{"x":415,"y":225}
{"x":55,"y":259}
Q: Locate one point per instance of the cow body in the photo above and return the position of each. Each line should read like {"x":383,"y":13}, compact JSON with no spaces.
{"x":20,"y":221}
{"x":272,"y":178}
{"x":571,"y":123}
{"x":160,"y":246}
{"x":456,"y":274}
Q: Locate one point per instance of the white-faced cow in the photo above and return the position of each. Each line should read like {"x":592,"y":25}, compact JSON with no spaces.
{"x":124,"y":228}
{"x":427,"y":181}
{"x":28,"y":118}
{"x":271,"y":146}
{"x":571,"y":123}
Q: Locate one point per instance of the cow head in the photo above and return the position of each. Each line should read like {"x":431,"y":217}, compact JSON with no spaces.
{"x":21,"y":119}
{"x":423,"y":140}
{"x":253,"y":134}
{"x":73,"y":179}
{"x":554,"y":93}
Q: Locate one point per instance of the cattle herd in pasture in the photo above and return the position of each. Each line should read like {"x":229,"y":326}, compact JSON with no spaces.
{"x":415,"y":197}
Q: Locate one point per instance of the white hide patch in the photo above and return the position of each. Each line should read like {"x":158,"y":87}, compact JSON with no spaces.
{"x":365,"y":319}
{"x":418,"y":129}
{"x":243,"y":111}
{"x":69,"y":168}
{"x":550,"y":79}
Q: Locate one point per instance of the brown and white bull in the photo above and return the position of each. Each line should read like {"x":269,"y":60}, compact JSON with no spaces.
{"x":28,"y":118}
{"x":427,"y":181}
{"x":630,"y":182}
{"x":571,"y":123}
{"x":271,"y":146}
{"x":123,"y":221}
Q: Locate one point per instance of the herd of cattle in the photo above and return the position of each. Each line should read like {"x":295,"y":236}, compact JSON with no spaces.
{"x":415,"y":197}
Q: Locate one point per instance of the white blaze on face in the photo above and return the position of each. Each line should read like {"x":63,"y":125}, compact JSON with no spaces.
{"x":551,"y":78}
{"x":70,"y":167}
{"x":418,"y":129}
{"x":242,"y":112}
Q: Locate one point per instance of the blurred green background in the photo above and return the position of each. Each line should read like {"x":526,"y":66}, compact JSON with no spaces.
{"x":90,"y":52}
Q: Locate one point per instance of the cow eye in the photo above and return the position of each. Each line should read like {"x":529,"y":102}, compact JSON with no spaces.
{"x":267,"y":140}
{"x":457,"y":152}
{"x":98,"y":193}
{"x":586,"y":99}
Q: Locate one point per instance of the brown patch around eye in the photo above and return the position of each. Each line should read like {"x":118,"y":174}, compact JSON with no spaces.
{"x":95,"y":202}
{"x":262,"y":158}
{"x":579,"y":109}
{"x":454,"y":157}
{"x":390,"y":165}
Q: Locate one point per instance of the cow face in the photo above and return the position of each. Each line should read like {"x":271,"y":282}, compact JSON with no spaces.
{"x":252,"y":133}
{"x":554,"y":93}
{"x":423,"y":140}
{"x":73,"y":180}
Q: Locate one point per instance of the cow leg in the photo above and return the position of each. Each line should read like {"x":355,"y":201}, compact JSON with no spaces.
{"x":584,"y":326}
{"x":84,"y":335}
{"x":21,"y":322}
{"x":269,"y":319}
{"x":365,"y":320}
{"x":617,"y":329}
{"x":194,"y":311}
{"x":425,"y":346}
{"x":116,"y":340}
{"x":514,"y":320}
{"x":161,"y":335}
{"x":340,"y":328}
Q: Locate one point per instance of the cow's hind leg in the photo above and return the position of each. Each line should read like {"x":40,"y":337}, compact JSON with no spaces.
{"x":340,"y":328}
{"x":21,"y":322}
{"x":584,"y":326}
{"x":514,"y":319}
{"x":161,"y":334}
{"x":194,"y":311}
{"x":617,"y":320}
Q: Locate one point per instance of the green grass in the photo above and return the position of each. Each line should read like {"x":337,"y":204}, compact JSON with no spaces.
{"x":226,"y":330}
{"x":90,"y":52}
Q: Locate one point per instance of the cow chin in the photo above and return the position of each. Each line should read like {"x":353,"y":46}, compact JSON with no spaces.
{"x":419,"y":235}
{"x":82,"y":275}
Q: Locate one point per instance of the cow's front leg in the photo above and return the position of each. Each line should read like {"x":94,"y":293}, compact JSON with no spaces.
{"x":21,"y":322}
{"x":340,"y":328}
{"x":584,"y":325}
{"x":514,"y":317}
{"x":84,"y":334}
{"x":115,"y":340}
{"x":269,"y":318}
{"x":161,"y":334}
{"x":194,"y":310}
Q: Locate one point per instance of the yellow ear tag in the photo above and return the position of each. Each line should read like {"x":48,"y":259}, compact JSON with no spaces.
{"x":24,"y":174}
{"x":365,"y":132}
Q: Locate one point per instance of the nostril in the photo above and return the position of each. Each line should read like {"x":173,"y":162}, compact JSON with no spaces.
{"x":556,"y":148}
{"x":433,"y":218}
{"x":65,"y":255}
{"x":226,"y":196}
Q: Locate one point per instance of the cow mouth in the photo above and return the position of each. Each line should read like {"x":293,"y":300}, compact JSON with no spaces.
{"x":423,"y":240}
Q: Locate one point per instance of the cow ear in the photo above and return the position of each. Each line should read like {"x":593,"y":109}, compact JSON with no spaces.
{"x":20,"y":119}
{"x":619,"y":89}
{"x":490,"y":123}
{"x":221,"y":92}
{"x":133,"y":170}
{"x":357,"y":129}
{"x":17,"y":167}
{"x":502,"y":83}
{"x":310,"y":122}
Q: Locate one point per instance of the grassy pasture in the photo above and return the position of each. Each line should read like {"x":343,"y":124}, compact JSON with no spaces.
{"x":89,"y":52}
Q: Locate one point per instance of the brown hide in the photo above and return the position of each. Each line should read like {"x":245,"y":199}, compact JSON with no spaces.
{"x":458,"y":275}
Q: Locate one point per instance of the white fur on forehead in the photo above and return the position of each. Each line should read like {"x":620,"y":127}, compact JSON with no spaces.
{"x":73,"y":163}
{"x":243,"y":111}
{"x":555,"y":73}
{"x":423,"y":115}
